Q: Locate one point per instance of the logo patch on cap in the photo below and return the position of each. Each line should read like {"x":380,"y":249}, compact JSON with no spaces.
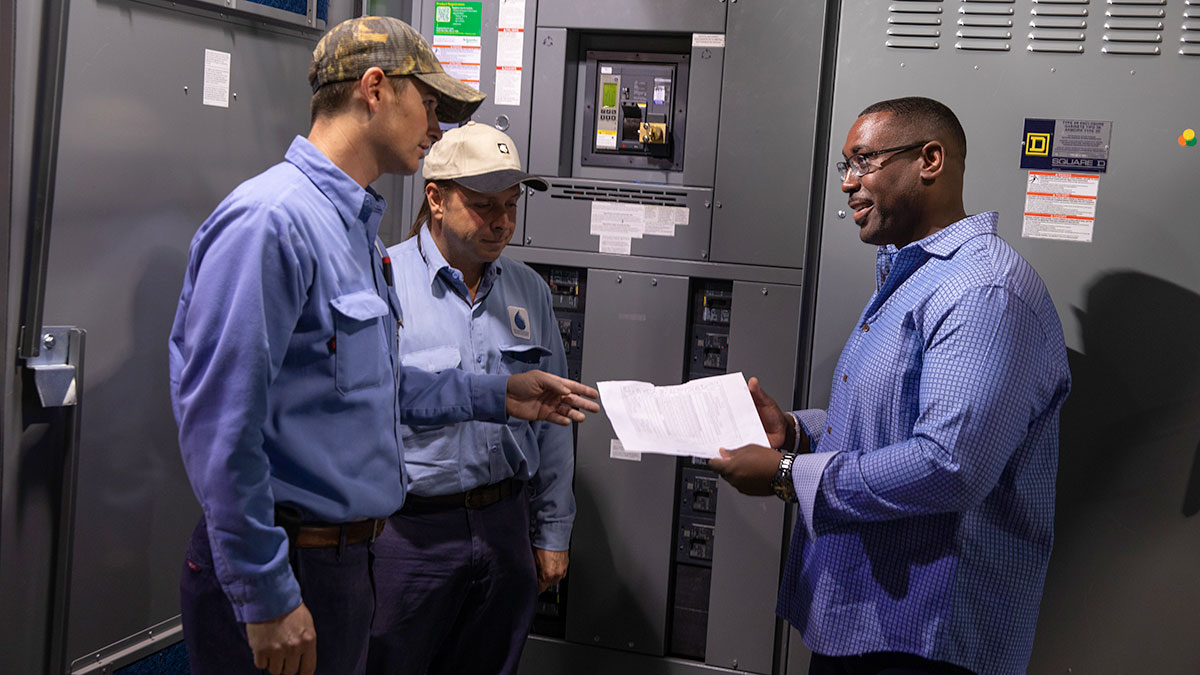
{"x":518,"y":321}
{"x":503,"y":148}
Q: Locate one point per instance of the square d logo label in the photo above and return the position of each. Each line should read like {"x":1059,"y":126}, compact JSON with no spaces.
{"x":1037,"y":144}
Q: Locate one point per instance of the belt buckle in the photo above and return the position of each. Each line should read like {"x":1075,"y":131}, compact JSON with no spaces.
{"x":471,"y":499}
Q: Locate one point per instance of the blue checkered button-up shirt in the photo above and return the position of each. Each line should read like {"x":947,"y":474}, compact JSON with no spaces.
{"x":928,"y":502}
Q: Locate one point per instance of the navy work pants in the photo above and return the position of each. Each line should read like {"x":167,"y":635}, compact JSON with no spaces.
{"x":335,"y":584}
{"x":456,"y":589}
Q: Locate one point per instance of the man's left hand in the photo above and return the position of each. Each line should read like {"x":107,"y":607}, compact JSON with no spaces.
{"x":749,"y":469}
{"x":538,"y":395}
{"x":551,"y":567}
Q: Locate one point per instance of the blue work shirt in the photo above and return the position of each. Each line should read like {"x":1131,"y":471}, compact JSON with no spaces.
{"x":510,"y":328}
{"x":928,"y":504}
{"x":284,"y":372}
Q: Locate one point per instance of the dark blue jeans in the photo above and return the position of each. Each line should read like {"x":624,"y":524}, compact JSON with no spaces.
{"x":456,"y":589}
{"x":335,"y":585}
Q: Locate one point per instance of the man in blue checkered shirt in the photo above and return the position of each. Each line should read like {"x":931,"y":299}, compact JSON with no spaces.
{"x":926,"y":489}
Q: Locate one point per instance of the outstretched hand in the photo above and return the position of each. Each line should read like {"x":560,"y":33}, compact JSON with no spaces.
{"x":538,"y":395}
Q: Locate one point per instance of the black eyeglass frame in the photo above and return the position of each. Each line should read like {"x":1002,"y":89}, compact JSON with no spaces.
{"x":862,"y":157}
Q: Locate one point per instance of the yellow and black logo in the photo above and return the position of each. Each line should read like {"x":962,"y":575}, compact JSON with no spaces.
{"x":1037,"y":144}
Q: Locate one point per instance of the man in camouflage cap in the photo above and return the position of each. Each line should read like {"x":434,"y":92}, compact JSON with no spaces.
{"x":353,"y":47}
{"x":285,"y":376}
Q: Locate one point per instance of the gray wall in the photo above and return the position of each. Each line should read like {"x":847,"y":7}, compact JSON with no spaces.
{"x":1122,"y":592}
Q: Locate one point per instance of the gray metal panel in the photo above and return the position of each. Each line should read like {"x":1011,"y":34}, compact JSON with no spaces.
{"x":561,"y":216}
{"x":621,"y":547}
{"x":768,"y":121}
{"x":549,"y":76}
{"x":704,"y":112}
{"x":142,"y":163}
{"x":688,"y":16}
{"x":1129,"y":469}
{"x":546,"y":656}
{"x":750,"y":530}
{"x":798,"y":655}
{"x":30,"y":474}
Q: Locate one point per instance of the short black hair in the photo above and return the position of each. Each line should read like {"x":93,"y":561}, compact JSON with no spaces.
{"x":926,"y":115}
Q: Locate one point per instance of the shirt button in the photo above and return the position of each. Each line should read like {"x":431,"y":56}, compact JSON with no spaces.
{"x":866,"y":328}
{"x":479,"y":359}
{"x":493,"y":448}
{"x":829,"y":430}
{"x":845,"y":377}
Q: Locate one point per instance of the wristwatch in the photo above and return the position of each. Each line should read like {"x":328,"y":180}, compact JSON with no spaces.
{"x":782,"y":482}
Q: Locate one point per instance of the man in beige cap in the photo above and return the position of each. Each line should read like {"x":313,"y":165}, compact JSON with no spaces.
{"x":457,"y":571}
{"x":285,"y":370}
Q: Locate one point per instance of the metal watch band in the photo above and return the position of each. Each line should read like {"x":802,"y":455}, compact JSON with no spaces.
{"x":782,"y":482}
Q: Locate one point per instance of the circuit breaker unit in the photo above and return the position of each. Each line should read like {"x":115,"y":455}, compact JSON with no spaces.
{"x":711,"y":310}
{"x":637,"y":105}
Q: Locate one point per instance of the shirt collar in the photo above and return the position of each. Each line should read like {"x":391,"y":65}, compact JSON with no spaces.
{"x":949,"y":239}
{"x":435,"y":264}
{"x":941,"y":244}
{"x":353,"y":202}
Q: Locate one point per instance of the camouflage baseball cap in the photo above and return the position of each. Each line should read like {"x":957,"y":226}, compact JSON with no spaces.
{"x":353,"y":47}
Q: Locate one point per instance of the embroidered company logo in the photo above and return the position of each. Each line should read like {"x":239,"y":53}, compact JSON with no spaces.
{"x":518,"y":321}
{"x":1188,"y":138}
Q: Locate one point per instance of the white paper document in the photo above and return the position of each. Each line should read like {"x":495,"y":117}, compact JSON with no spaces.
{"x":696,"y":418}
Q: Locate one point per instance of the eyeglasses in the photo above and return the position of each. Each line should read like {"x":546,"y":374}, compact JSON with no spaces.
{"x":860,"y":166}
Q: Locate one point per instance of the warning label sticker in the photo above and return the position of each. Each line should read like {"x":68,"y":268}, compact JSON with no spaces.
{"x":1060,"y":206}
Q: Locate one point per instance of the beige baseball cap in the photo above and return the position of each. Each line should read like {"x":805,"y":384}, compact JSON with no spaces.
{"x":353,"y":47}
{"x":480,"y":158}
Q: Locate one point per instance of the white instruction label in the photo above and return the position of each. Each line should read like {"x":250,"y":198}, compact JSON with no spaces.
{"x":708,"y":40}
{"x":216,"y":78}
{"x":617,"y":451}
{"x":1060,"y":206}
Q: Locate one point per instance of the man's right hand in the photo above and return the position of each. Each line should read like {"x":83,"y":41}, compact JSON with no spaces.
{"x":285,"y":645}
{"x":777,"y":424}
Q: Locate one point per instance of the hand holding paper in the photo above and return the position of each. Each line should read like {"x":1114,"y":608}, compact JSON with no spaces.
{"x":697,"y":418}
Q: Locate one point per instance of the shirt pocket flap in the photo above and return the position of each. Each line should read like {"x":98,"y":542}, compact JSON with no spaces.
{"x":360,"y":305}
{"x":525,"y":353}
{"x":434,"y":359}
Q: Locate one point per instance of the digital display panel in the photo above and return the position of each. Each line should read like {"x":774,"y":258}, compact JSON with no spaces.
{"x":609,"y":95}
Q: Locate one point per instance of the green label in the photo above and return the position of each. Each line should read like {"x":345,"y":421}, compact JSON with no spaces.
{"x":458,"y":18}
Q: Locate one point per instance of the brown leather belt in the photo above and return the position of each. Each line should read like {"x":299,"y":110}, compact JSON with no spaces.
{"x":472,"y":499}
{"x":326,"y":536}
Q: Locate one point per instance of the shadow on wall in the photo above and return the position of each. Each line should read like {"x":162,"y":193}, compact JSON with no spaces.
{"x":1122,"y":587}
{"x":133,"y":515}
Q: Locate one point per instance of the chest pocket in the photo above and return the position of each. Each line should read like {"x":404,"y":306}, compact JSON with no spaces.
{"x":434,"y":359}
{"x":520,"y":358}
{"x":361,"y":358}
